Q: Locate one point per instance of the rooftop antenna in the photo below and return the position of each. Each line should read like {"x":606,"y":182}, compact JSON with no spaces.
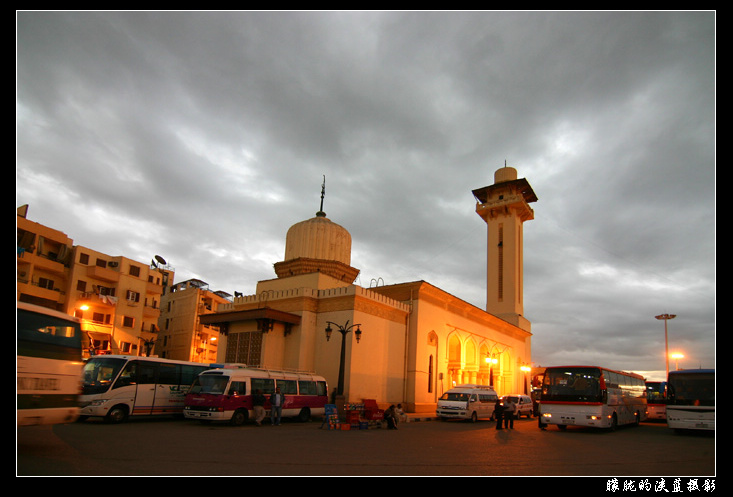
{"x":320,"y":213}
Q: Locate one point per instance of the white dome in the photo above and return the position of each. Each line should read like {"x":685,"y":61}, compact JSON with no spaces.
{"x":318,"y":238}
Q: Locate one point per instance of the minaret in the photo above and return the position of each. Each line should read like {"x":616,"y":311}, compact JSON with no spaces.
{"x":505,"y":207}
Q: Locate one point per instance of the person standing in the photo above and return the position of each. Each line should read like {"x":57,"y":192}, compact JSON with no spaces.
{"x":498,"y":413}
{"x":258,"y":405}
{"x":277,"y":399}
{"x":509,"y":409}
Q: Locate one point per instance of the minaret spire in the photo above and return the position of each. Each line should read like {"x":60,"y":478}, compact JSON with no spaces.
{"x":320,"y":213}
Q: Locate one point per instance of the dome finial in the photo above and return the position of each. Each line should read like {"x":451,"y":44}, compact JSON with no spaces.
{"x":320,"y":213}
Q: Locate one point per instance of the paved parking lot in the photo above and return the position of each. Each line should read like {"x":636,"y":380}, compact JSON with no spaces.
{"x":168,"y":447}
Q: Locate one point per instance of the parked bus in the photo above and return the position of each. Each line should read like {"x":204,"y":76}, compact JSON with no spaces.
{"x":656,"y":400}
{"x":48,"y":368}
{"x":226,"y":394}
{"x":117,"y":386}
{"x":691,"y":399}
{"x":591,"y":396}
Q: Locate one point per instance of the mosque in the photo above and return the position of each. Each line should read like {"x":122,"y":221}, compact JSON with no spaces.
{"x":404,"y":343}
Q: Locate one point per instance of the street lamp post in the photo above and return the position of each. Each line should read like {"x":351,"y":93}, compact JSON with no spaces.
{"x":666,"y":317}
{"x":343,"y":330}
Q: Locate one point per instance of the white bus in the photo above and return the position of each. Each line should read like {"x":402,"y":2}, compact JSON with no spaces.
{"x":591,"y":396}
{"x":691,"y":399}
{"x":226,"y":394}
{"x":117,"y":386}
{"x":48,"y":368}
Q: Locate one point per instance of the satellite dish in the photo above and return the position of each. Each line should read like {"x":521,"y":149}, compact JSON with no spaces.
{"x":160,"y":259}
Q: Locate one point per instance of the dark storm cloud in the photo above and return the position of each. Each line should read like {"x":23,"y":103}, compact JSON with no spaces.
{"x":203,"y":136}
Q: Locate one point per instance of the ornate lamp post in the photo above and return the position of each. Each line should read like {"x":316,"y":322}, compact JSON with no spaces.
{"x":343,"y":330}
{"x":666,"y":317}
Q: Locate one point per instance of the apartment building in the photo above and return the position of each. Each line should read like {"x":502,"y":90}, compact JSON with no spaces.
{"x":182,"y":336}
{"x":117,"y":298}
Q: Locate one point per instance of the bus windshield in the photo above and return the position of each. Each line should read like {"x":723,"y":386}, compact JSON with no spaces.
{"x":99,"y":373}
{"x":208,"y":383}
{"x":692,"y":389}
{"x":572,"y":385}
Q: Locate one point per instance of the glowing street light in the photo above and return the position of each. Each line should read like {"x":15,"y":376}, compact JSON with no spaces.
{"x":677,"y":356}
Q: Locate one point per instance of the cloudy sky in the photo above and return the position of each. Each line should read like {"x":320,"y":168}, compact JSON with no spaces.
{"x":202,"y":137}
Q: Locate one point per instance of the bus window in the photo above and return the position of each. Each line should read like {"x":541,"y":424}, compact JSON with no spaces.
{"x":264,"y":385}
{"x":307,"y":387}
{"x":189,"y":373}
{"x":169,"y":374}
{"x":288,"y":387}
{"x":321,"y":388}
{"x":146,"y":373}
{"x":238,"y":388}
{"x":128,"y":376}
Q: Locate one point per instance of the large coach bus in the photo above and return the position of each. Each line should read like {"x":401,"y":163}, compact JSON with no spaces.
{"x":656,"y":400}
{"x":226,"y":394}
{"x":691,"y":399}
{"x":48,"y":368}
{"x":117,"y":386}
{"x":591,"y":396}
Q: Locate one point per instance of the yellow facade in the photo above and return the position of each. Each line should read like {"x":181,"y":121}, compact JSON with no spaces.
{"x":416,"y":340}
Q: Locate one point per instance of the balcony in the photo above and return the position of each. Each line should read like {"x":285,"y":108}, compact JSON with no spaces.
{"x":103,"y":274}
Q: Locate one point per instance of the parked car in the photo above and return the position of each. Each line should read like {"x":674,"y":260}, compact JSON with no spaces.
{"x":523,"y":403}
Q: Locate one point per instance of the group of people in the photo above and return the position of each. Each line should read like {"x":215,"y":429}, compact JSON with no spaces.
{"x":277,"y":399}
{"x":393,"y":415}
{"x":504,"y":412}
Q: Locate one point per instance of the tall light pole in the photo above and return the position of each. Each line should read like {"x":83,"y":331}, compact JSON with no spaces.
{"x":666,"y":317}
{"x":343,"y":330}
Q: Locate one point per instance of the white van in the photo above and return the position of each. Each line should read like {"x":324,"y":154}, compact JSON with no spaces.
{"x":472,"y":402}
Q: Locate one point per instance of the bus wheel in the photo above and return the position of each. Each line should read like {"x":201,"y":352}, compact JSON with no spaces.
{"x":305,"y":415}
{"x":117,"y":414}
{"x":239,"y":417}
{"x":474,"y":417}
